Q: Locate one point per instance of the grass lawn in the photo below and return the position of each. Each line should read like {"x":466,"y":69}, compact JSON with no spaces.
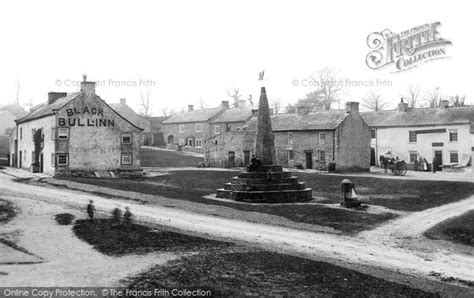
{"x":166,"y":158}
{"x":117,"y":239}
{"x":458,"y":229}
{"x":265,"y":274}
{"x":7,"y":211}
{"x":396,"y":194}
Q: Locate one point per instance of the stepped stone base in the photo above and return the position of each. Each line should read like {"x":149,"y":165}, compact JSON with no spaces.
{"x":269,"y":184}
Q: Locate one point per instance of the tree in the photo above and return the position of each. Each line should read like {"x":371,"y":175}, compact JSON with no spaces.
{"x":290,"y":108}
{"x":250,"y":100}
{"x":315,"y":100}
{"x":202,"y":103}
{"x":275,"y":104}
{"x":374,"y":101}
{"x":458,"y":101}
{"x":235,"y":95}
{"x":434,"y":97}
{"x":166,"y":112}
{"x":145,"y":104}
{"x":412,"y":96}
{"x":328,"y":82}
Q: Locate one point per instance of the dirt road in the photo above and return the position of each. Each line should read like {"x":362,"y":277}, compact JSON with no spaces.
{"x":371,"y":249}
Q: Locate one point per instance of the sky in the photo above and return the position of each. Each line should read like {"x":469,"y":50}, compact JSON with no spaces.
{"x":192,"y":52}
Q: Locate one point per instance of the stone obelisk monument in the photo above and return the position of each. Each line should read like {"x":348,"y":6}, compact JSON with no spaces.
{"x":264,"y":142}
{"x":265,"y":183}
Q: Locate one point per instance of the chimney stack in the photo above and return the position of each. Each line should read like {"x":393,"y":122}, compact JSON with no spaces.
{"x":87,"y":87}
{"x":254,"y":112}
{"x":352,"y":107}
{"x":123,"y":101}
{"x":53,"y":96}
{"x":302,"y":110}
{"x":443,"y":104}
{"x":225,"y":104}
{"x":190,"y":108}
{"x":402,"y":106}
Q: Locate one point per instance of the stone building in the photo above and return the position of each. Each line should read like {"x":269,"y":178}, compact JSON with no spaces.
{"x":445,"y":133}
{"x":76,"y":134}
{"x":146,"y":137}
{"x":309,"y":140}
{"x":190,"y":129}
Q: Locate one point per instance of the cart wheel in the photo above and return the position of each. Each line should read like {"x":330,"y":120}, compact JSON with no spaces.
{"x":403,"y":170}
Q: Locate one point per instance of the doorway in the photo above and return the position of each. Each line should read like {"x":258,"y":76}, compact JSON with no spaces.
{"x":309,"y":159}
{"x":20,"y":159}
{"x":372,"y":157}
{"x":246,"y":157}
{"x":438,"y":155}
{"x":231,"y":159}
{"x":41,"y":168}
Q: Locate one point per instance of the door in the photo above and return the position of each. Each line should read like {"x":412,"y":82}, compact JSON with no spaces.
{"x":231,"y":162}
{"x":439,"y":159}
{"x":246,"y":157}
{"x":41,"y":169}
{"x":309,"y":159}
{"x":20,"y":159}
{"x":372,"y":156}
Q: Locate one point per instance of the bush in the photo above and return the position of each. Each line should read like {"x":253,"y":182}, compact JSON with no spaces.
{"x":64,"y":218}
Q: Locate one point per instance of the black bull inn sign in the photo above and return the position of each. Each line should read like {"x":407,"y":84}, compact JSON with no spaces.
{"x":76,"y":121}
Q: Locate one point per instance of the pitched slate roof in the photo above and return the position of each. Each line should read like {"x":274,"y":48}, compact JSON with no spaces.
{"x":240,"y":114}
{"x":129,"y":114}
{"x":194,"y":116}
{"x":321,"y":120}
{"x":420,"y":117}
{"x":44,"y":109}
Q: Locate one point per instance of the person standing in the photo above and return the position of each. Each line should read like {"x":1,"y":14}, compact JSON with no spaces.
{"x":434,"y":164}
{"x":91,"y":210}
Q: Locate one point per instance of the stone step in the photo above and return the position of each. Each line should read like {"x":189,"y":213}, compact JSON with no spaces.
{"x":273,"y":180}
{"x":267,"y":187}
{"x":282,"y":196}
{"x":264,"y":175}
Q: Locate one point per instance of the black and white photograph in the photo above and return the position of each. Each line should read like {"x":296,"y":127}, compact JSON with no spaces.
{"x":236,"y":148}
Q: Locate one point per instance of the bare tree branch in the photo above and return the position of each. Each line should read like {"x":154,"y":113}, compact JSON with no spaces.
{"x":458,"y":101}
{"x":374,"y":101}
{"x":412,"y":96}
{"x":434,"y":97}
{"x":145,"y":104}
{"x":235,"y":95}
{"x":328,"y":85}
{"x":275,"y":104}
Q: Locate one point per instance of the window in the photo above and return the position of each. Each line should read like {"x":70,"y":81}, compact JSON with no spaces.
{"x":413,"y":156}
{"x":373,"y":133}
{"x":322,"y":138}
{"x":291,"y":155}
{"x":322,"y":156}
{"x":453,"y":157}
{"x":217,"y":129}
{"x":412,"y":136}
{"x":63,"y":133}
{"x":63,"y":159}
{"x":126,"y":138}
{"x":198,"y":127}
{"x":52,"y":159}
{"x":181,"y":128}
{"x":453,"y":135}
{"x":290,"y":138}
{"x":126,"y":159}
{"x":198,"y":143}
{"x":53,"y":133}
{"x":21,"y":133}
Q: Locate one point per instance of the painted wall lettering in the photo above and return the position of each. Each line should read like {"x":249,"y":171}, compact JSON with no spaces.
{"x":75,"y":121}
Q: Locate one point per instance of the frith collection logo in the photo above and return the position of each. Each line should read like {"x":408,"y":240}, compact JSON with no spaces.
{"x":407,"y":49}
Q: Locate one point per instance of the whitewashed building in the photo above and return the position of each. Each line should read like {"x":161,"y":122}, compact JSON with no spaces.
{"x":76,"y":134}
{"x":446,"y":133}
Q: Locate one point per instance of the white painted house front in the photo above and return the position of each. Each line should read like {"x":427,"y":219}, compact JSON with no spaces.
{"x":446,"y":133}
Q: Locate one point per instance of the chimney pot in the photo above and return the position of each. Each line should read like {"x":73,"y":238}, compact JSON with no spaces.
{"x":190,"y":108}
{"x":352,"y":107}
{"x":443,"y":104}
{"x":225,"y":104}
{"x":87,"y":87}
{"x":53,"y":96}
{"x":402,"y":106}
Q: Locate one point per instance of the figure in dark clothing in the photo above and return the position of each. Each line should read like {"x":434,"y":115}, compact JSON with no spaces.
{"x":254,"y":164}
{"x":434,"y":165}
{"x":384,"y":163}
{"x":127,"y":216}
{"x":91,"y":210}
